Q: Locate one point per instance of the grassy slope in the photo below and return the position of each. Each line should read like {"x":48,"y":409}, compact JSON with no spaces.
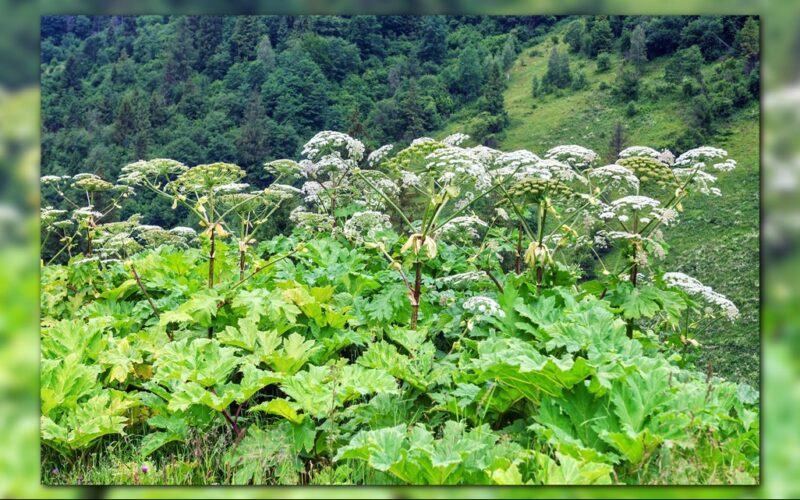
{"x":717,"y":241}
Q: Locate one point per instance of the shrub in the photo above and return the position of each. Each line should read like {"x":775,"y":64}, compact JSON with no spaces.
{"x":603,"y":62}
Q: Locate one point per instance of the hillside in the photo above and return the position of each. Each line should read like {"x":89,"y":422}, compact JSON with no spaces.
{"x":719,"y":240}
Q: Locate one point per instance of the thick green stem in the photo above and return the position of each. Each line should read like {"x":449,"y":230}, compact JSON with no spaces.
{"x":416,"y":294}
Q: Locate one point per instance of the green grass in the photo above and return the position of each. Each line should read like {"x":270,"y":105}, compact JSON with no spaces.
{"x":718,"y":238}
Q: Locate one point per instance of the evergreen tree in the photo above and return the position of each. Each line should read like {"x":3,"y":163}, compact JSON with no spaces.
{"x":71,"y":76}
{"x":412,"y":111}
{"x":685,"y":63}
{"x":558,"y":72}
{"x":574,"y":36}
{"x":493,"y":101}
{"x":265,"y":53}
{"x":433,"y":45}
{"x":246,"y":34}
{"x":637,"y":54}
{"x":206,"y":35}
{"x":747,"y":43}
{"x":509,"y":52}
{"x":251,"y":142}
{"x":469,"y":73}
{"x":600,"y":37}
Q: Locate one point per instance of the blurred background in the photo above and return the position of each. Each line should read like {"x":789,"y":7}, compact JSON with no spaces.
{"x":19,"y":234}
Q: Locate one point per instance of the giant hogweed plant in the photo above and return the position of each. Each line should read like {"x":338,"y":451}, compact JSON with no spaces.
{"x":520,"y":370}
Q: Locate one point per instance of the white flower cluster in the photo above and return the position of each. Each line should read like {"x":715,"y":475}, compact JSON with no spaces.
{"x":421,"y":140}
{"x":53,"y":179}
{"x":286,"y":168}
{"x":455,"y":139}
{"x":409,"y":179}
{"x":639,"y":151}
{"x":323,"y":143}
{"x":85,"y":213}
{"x":577,"y":156}
{"x":521,"y":164}
{"x":454,"y":162}
{"x":701,"y":180}
{"x":561,"y":171}
{"x":666,"y":157}
{"x":615,"y":176}
{"x":49,"y":215}
{"x":485,"y":154}
{"x":139,"y":171}
{"x":311,"y":221}
{"x":694,"y":287}
{"x":621,"y":209}
{"x":699,"y":157}
{"x":233,"y":187}
{"x":379,"y":154}
{"x":464,"y":227}
{"x":280,"y":192}
{"x":483,"y":306}
{"x":364,"y":226}
{"x":462,"y":278}
{"x":91,"y":182}
{"x":312,"y":191}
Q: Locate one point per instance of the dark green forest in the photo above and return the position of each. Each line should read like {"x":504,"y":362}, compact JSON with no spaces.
{"x":250,"y":89}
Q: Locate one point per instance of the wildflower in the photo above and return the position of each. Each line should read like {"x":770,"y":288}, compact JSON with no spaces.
{"x":150,"y":170}
{"x":328,"y":141}
{"x":485,"y":154}
{"x":408,"y":179}
{"x":364,"y":226}
{"x":49,"y":215}
{"x":576,"y":156}
{"x":421,"y":140}
{"x":50,"y":179}
{"x":483,"y":306}
{"x":649,"y":171}
{"x":464,"y":227}
{"x":285,"y":168}
{"x":615,"y":176}
{"x":639,"y":151}
{"x":85,"y":213}
{"x":91,"y":183}
{"x":462,"y":278}
{"x":311,"y":221}
{"x":375,"y":158}
{"x":145,"y":468}
{"x":233,"y":187}
{"x":666,"y":157}
{"x":204,"y":178}
{"x":501,"y":213}
{"x":455,"y":139}
{"x":694,"y":287}
{"x":701,"y":181}
{"x":455,"y":162}
{"x":697,"y":157}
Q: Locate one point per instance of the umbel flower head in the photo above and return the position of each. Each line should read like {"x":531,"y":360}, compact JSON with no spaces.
{"x":650,"y":171}
{"x":482,"y":308}
{"x":639,"y":151}
{"x":329,"y":142}
{"x":622,"y":209}
{"x":455,"y":139}
{"x":694,"y":287}
{"x":365,"y":226}
{"x":286,"y":169}
{"x":154,"y":171}
{"x":615,"y":177}
{"x":205,"y":178}
{"x":91,"y":183}
{"x":576,"y":156}
{"x":376,"y":157}
{"x":457,"y":165}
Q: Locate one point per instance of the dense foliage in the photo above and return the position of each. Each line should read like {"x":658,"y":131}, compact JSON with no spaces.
{"x":429,"y":319}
